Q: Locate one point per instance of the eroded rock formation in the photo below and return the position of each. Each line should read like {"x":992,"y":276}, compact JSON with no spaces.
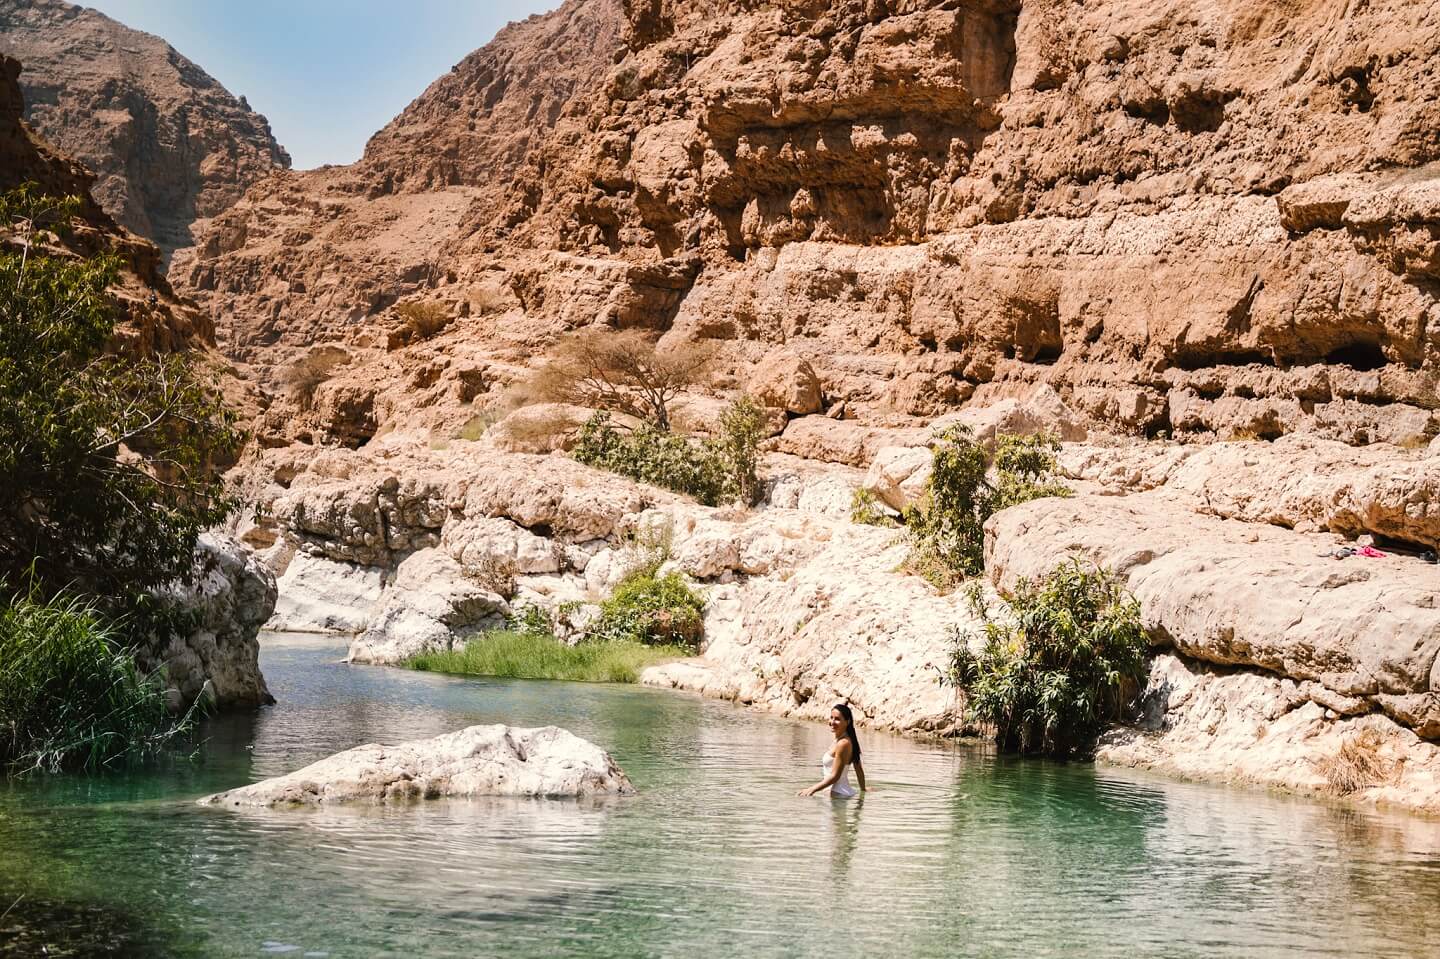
{"x":1195,"y":217}
{"x":217,"y":658}
{"x":169,"y":146}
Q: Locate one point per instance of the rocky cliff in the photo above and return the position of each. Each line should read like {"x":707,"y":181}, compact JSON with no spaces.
{"x":152,"y":317}
{"x":1194,"y":217}
{"x":167,"y":143}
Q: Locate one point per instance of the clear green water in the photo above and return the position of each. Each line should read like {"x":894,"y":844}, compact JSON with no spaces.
{"x":955,"y":853}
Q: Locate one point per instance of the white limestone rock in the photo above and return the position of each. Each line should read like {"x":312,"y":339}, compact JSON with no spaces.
{"x":476,"y":543}
{"x":1258,"y":729}
{"x":899,"y":474}
{"x":431,"y":606}
{"x":834,"y":624}
{"x":231,"y":595}
{"x":322,"y":595}
{"x":477,"y":761}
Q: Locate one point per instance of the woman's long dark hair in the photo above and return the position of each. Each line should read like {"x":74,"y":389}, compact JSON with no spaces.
{"x":849,"y":718}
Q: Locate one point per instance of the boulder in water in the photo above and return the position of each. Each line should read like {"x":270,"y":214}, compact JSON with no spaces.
{"x":477,"y":761}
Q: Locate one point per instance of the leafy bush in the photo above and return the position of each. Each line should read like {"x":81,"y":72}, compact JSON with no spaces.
{"x":651,"y":609}
{"x":525,"y":655}
{"x":947,"y":526}
{"x":1050,"y":677}
{"x":717,"y":470}
{"x":69,"y":697}
{"x":866,"y":509}
{"x":105,"y":461}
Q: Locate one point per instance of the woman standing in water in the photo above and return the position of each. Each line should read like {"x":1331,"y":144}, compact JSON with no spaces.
{"x":845,"y":751}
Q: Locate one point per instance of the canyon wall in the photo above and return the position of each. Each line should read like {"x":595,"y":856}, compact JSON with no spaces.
{"x":1143,"y":226}
{"x":1194,"y":218}
{"x":168,"y":144}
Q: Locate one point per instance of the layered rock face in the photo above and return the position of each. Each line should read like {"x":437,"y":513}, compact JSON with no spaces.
{"x":314,"y":257}
{"x":477,"y":761}
{"x":152,"y":317}
{"x":168,"y":144}
{"x":1195,"y":217}
{"x":1206,"y":219}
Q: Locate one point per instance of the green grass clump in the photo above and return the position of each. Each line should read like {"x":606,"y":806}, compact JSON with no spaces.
{"x":533,"y":656}
{"x":70,"y":697}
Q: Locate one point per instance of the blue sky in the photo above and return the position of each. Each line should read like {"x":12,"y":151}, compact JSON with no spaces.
{"x":327,"y":73}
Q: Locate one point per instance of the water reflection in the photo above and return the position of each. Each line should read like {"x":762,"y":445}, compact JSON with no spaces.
{"x":955,"y":852}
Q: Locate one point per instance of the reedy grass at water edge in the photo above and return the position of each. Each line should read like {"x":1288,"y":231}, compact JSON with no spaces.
{"x":527,"y":656}
{"x":70,"y":695}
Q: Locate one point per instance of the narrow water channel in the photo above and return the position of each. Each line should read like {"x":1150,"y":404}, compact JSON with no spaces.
{"x":956,"y":852}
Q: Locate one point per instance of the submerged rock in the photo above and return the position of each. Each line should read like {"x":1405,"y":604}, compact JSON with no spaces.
{"x":477,"y":761}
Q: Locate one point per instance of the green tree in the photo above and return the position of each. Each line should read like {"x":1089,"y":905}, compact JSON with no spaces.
{"x":104,"y":458}
{"x":946,"y":527}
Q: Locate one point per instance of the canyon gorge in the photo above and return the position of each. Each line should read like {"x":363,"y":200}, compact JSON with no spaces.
{"x":1197,"y":241}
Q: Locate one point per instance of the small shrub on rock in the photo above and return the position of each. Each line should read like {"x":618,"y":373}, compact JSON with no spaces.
{"x":1059,"y":668}
{"x":495,"y":574}
{"x":866,"y":509}
{"x":419,"y":321}
{"x":652,"y":609}
{"x":1358,"y":764}
{"x":719,"y":469}
{"x":968,"y":484}
{"x":530,"y":620}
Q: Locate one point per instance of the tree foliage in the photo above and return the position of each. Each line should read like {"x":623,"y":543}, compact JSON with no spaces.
{"x":968,"y":484}
{"x":104,"y":459}
{"x":1049,"y":677}
{"x":621,"y":371}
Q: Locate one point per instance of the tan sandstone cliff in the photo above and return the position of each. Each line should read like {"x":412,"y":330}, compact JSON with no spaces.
{"x":1189,"y":217}
{"x":167,"y":143}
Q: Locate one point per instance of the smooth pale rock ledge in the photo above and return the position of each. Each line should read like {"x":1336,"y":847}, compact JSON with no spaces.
{"x":476,"y":761}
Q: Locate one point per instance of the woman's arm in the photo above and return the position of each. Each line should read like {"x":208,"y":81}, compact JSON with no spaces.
{"x":836,"y":768}
{"x":860,"y":775}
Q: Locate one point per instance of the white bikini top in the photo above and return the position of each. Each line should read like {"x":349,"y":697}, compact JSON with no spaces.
{"x":842,"y":787}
